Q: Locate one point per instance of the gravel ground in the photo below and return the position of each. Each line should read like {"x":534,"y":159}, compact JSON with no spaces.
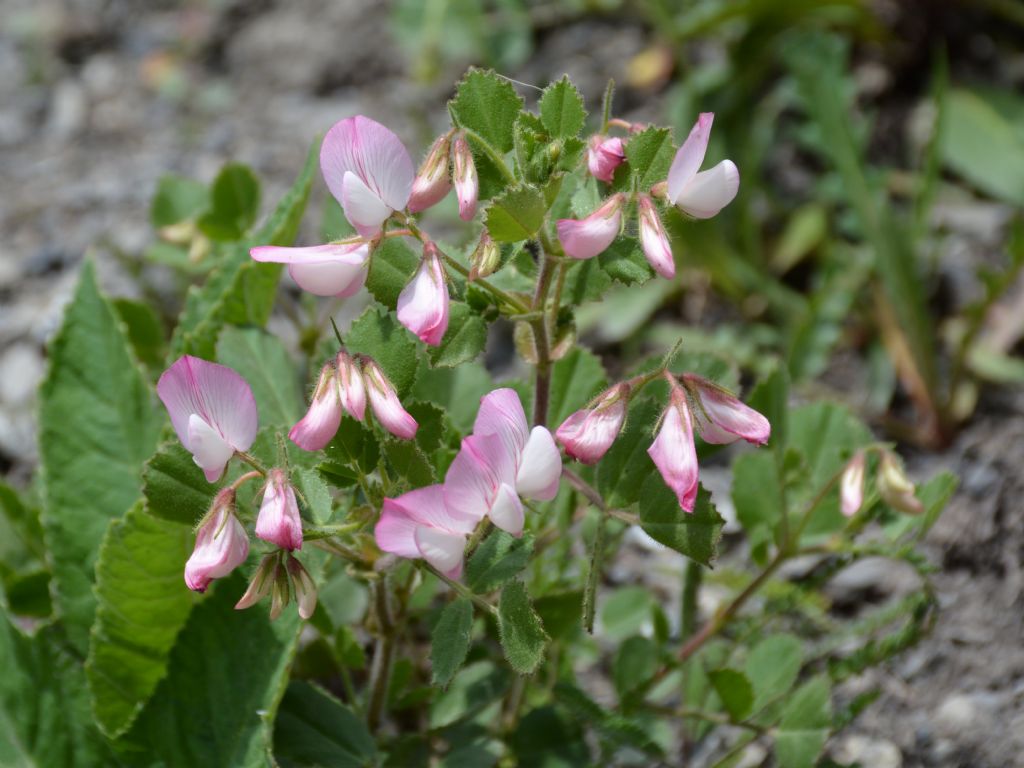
{"x":100,"y":98}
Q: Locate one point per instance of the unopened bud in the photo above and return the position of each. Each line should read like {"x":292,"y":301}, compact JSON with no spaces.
{"x":895,"y":487}
{"x":486,"y":258}
{"x":851,"y":485}
{"x":432,"y":182}
{"x":467,"y":185}
{"x":261,"y":584}
{"x":305,"y":589}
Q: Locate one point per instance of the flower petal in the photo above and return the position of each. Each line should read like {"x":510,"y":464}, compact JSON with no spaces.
{"x":395,"y":531}
{"x":221,"y":546}
{"x":351,"y":388}
{"x":709,"y":191}
{"x":690,"y":156}
{"x":423,"y":303}
{"x":604,"y":156}
{"x":216,"y":393}
{"x":441,"y":549}
{"x":539,"y":467}
{"x":507,"y":511}
{"x":386,"y":405}
{"x":364,"y":210}
{"x":501,"y":413}
{"x":588,"y":237}
{"x":729,"y":417}
{"x":318,"y":427}
{"x":674,"y":454}
{"x":654,"y":240}
{"x":324,"y":270}
{"x":279,"y":521}
{"x":209,"y":450}
{"x":373,"y":153}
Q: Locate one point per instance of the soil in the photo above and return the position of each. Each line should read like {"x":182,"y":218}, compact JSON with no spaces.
{"x":101,"y":97}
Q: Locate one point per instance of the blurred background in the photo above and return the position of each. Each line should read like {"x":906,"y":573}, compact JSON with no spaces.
{"x":875,"y":248}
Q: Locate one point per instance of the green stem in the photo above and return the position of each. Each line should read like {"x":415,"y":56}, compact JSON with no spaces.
{"x":692,"y":578}
{"x":462,"y":589}
{"x":542,"y":377}
{"x":594,"y":576}
{"x":380,"y":672}
{"x":252,"y":461}
{"x":492,"y":154}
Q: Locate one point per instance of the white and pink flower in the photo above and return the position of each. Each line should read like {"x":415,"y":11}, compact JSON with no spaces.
{"x":318,"y":427}
{"x":279,"y":521}
{"x":387,"y":408}
{"x":673,"y":450}
{"x":221,"y":544}
{"x":604,"y":155}
{"x":335,"y":269}
{"x":586,"y":238}
{"x":701,"y":194}
{"x":418,"y":524}
{"x":723,"y":418}
{"x":467,"y":184}
{"x":589,"y":432}
{"x":500,"y":462}
{"x":432,"y":182}
{"x":654,"y":240}
{"x":423,"y":303}
{"x":851,"y":485}
{"x":212,"y":409}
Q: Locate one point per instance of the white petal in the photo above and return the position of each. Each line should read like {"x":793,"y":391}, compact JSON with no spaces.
{"x":441,"y":549}
{"x":209,"y":450}
{"x":710,"y":191}
{"x":329,"y":278}
{"x":507,"y":511}
{"x":363,"y":208}
{"x":690,"y":156}
{"x":539,"y":467}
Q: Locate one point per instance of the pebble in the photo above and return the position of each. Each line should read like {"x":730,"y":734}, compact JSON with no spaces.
{"x":69,"y":109}
{"x":867,"y":751}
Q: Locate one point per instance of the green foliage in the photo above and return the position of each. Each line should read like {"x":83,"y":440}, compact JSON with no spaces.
{"x":392,"y":266}
{"x":98,"y":424}
{"x":561,"y":109}
{"x":522,"y":635}
{"x":625,"y":468}
{"x":635,"y":664}
{"x":177,"y":199}
{"x":694,"y":534}
{"x":735,"y":691}
{"x":516,"y":215}
{"x":805,"y":724}
{"x":648,"y":156}
{"x":449,"y":642}
{"x":174,"y":487}
{"x":142,"y":604}
{"x":772,"y":668}
{"x":499,"y":559}
{"x":463,"y":341}
{"x":575,"y":379}
{"x":313,"y":728}
{"x":487,"y":105}
{"x":264,"y":363}
{"x":378,"y":334}
{"x":235,"y":202}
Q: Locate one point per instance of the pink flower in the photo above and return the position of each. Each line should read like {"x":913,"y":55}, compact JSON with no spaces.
{"x":221,"y":544}
{"x":279,"y":521}
{"x":335,"y":269}
{"x":589,"y":433}
{"x":851,"y":485}
{"x":604,"y":155}
{"x":502,"y":460}
{"x":318,"y":427}
{"x":588,"y":237}
{"x":467,"y":185}
{"x":423,"y":303}
{"x":351,"y":389}
{"x":212,"y":409}
{"x":418,"y":524}
{"x":432,"y":182}
{"x":368,"y":170}
{"x":655,"y":243}
{"x":702,"y":194}
{"x":722,"y":418}
{"x":674,"y":453}
{"x":385,"y":403}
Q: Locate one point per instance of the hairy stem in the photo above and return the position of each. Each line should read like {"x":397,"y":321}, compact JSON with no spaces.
{"x":542,"y":377}
{"x":380,"y":672}
{"x":462,"y":589}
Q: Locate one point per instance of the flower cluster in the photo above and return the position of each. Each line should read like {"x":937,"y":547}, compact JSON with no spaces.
{"x":500,"y":463}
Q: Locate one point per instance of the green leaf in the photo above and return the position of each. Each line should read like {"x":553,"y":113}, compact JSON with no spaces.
{"x":561,"y":109}
{"x":463,"y":341}
{"x":522,"y":635}
{"x":625,"y":612}
{"x":409,"y":462}
{"x":694,"y":534}
{"x":805,"y":725}
{"x":174,"y":487}
{"x":354,"y":446}
{"x":649,"y":155}
{"x":623,"y":261}
{"x":144,"y":331}
{"x":314,"y":729}
{"x":142,"y":604}
{"x":516,"y":215}
{"x":499,"y":559}
{"x":575,"y":380}
{"x":772,"y":667}
{"x":176,"y":200}
{"x":624,"y":469}
{"x":735,"y":691}
{"x":235,"y":201}
{"x":263,"y":361}
{"x":983,"y":146}
{"x":226,"y":675}
{"x":378,"y":334}
{"x":456,"y":390}
{"x":634,"y":664}
{"x":449,"y":642}
{"x":242,"y":291}
{"x":473,"y":688}
{"x":98,"y":423}
{"x":488,"y":105}
{"x":45,"y":718}
{"x":560,"y":613}
{"x":758,"y":497}
{"x":392,"y":266}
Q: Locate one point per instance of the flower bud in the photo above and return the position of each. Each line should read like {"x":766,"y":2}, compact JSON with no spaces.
{"x":586,"y":238}
{"x":279,"y":521}
{"x":261,"y":584}
{"x":423,"y":303}
{"x":387,"y":408}
{"x":895,"y":487}
{"x":723,"y":418}
{"x":221,"y":544}
{"x":305,"y":589}
{"x":851,"y":485}
{"x":486,"y":258}
{"x":657,"y":249}
{"x":351,"y":389}
{"x":467,"y":185}
{"x":604,"y":155}
{"x":432,"y":182}
{"x":318,"y":427}
{"x":674,"y":453}
{"x":280,"y":594}
{"x":589,"y":433}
